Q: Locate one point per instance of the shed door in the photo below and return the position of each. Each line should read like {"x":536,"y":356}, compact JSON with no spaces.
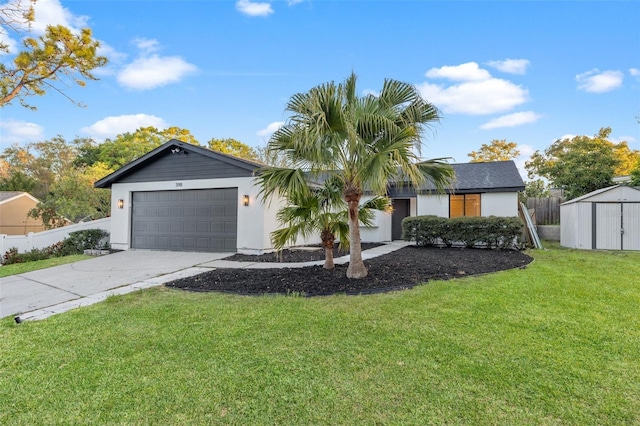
{"x":608,"y":225}
{"x":618,"y":226}
{"x":631,"y":226}
{"x":190,"y":220}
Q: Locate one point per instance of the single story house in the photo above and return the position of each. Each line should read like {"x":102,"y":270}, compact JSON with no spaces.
{"x":189,"y":198}
{"x":608,"y":218}
{"x":14,"y":210}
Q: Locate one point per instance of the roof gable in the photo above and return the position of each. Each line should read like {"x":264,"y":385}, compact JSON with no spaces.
{"x":7,"y":196}
{"x":620,"y":191}
{"x":177,"y":160}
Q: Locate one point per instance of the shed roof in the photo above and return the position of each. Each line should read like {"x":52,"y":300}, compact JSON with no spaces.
{"x":634,"y":190}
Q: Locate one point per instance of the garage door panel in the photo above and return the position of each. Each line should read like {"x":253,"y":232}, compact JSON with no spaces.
{"x":184,"y":220}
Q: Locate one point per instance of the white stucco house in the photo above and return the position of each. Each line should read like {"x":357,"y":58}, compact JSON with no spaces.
{"x":189,"y":198}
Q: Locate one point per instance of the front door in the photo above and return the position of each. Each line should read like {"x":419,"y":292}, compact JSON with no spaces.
{"x":400,"y":211}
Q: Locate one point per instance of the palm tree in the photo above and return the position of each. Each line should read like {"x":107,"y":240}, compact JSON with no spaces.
{"x":321,"y":210}
{"x":361,"y":141}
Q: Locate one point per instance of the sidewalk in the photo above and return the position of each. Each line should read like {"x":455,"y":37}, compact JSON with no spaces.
{"x":199,"y":268}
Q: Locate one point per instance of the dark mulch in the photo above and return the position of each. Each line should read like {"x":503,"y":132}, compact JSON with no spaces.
{"x":300,"y":254}
{"x":398,"y":270}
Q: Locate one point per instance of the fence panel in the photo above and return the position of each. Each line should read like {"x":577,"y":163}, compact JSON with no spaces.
{"x":44,"y":239}
{"x":547,"y":210}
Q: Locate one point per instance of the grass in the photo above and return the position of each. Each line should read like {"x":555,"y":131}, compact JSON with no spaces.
{"x":555,"y":343}
{"x":21,"y":268}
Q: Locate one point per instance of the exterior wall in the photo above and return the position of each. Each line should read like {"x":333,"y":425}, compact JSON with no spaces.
{"x":380,"y":231}
{"x":504,"y":204}
{"x":436,"y":205}
{"x":621,"y":193}
{"x":255,"y":221}
{"x":40,"y":240}
{"x":575,"y":226}
{"x":13,"y":216}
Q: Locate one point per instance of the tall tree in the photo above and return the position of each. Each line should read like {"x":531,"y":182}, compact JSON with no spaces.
{"x":360,"y":141}
{"x":58,"y":55}
{"x":126,"y":147}
{"x":496,"y":150}
{"x":635,"y":175}
{"x":233,"y":147}
{"x":322,"y":211}
{"x":578,"y":165}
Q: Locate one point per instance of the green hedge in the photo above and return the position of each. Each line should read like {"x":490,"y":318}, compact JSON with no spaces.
{"x":76,"y":243}
{"x":490,"y":232}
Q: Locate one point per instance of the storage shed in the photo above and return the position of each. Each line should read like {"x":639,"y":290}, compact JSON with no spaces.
{"x":608,"y":219}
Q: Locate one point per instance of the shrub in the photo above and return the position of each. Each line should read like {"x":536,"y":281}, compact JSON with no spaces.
{"x":490,"y":232}
{"x":79,"y":241}
{"x":76,"y":243}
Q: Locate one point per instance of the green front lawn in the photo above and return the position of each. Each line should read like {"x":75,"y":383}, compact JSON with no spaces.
{"x":21,"y":268}
{"x":555,"y":343}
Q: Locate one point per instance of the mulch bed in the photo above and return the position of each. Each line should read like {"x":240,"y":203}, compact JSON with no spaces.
{"x":401,"y":269}
{"x":300,"y":254}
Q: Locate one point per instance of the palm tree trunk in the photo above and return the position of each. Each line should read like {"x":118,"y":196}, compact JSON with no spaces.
{"x":356,"y":269}
{"x":328,"y":239}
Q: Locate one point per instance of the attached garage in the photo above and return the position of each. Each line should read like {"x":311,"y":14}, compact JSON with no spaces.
{"x":188,"y":220}
{"x":607,"y":219}
{"x":182,"y":197}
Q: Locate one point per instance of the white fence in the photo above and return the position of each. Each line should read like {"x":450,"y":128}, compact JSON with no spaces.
{"x":44,"y":239}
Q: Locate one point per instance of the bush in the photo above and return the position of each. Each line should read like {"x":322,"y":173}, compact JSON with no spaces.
{"x":490,"y":232}
{"x":76,"y":243}
{"x":79,"y":241}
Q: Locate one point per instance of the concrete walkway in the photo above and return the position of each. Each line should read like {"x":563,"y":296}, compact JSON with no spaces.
{"x":40,"y":294}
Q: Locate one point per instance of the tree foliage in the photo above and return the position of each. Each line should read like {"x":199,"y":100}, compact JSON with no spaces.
{"x":496,"y":150}
{"x":362,"y":142}
{"x":581,"y":164}
{"x":635,"y":174}
{"x":321,"y":210}
{"x":126,"y":147}
{"x":233,"y":147}
{"x":47,"y":62}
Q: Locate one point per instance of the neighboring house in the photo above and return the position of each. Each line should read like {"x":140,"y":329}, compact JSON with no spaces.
{"x":189,"y":198}
{"x":14,"y":210}
{"x":608,"y":218}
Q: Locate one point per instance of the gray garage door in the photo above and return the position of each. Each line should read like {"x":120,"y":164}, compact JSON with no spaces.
{"x":189,"y":220}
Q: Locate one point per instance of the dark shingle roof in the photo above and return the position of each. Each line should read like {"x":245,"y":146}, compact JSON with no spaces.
{"x":497,"y":176}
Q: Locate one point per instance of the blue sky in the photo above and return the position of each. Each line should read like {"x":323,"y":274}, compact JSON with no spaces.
{"x":529,"y":72}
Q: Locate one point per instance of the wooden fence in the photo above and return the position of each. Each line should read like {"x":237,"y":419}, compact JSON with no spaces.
{"x":546,"y":210}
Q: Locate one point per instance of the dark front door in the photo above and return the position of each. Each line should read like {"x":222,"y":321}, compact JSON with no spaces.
{"x":400,"y":211}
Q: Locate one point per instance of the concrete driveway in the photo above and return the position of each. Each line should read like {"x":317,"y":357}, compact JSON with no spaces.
{"x":85,"y":282}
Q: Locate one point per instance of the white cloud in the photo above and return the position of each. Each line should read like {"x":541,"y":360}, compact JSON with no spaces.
{"x":474,"y":91}
{"x":635,"y":72}
{"x":463,"y":72}
{"x":270,"y":129}
{"x":563,"y":137}
{"x":254,"y":8}
{"x":512,"y":120}
{"x":476,"y":98}
{"x":18,"y":131}
{"x":511,"y":66}
{"x":51,"y":12}
{"x":154,"y":71}
{"x":147,"y":45}
{"x":595,"y":81}
{"x":111,"y":126}
{"x":525,"y":155}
